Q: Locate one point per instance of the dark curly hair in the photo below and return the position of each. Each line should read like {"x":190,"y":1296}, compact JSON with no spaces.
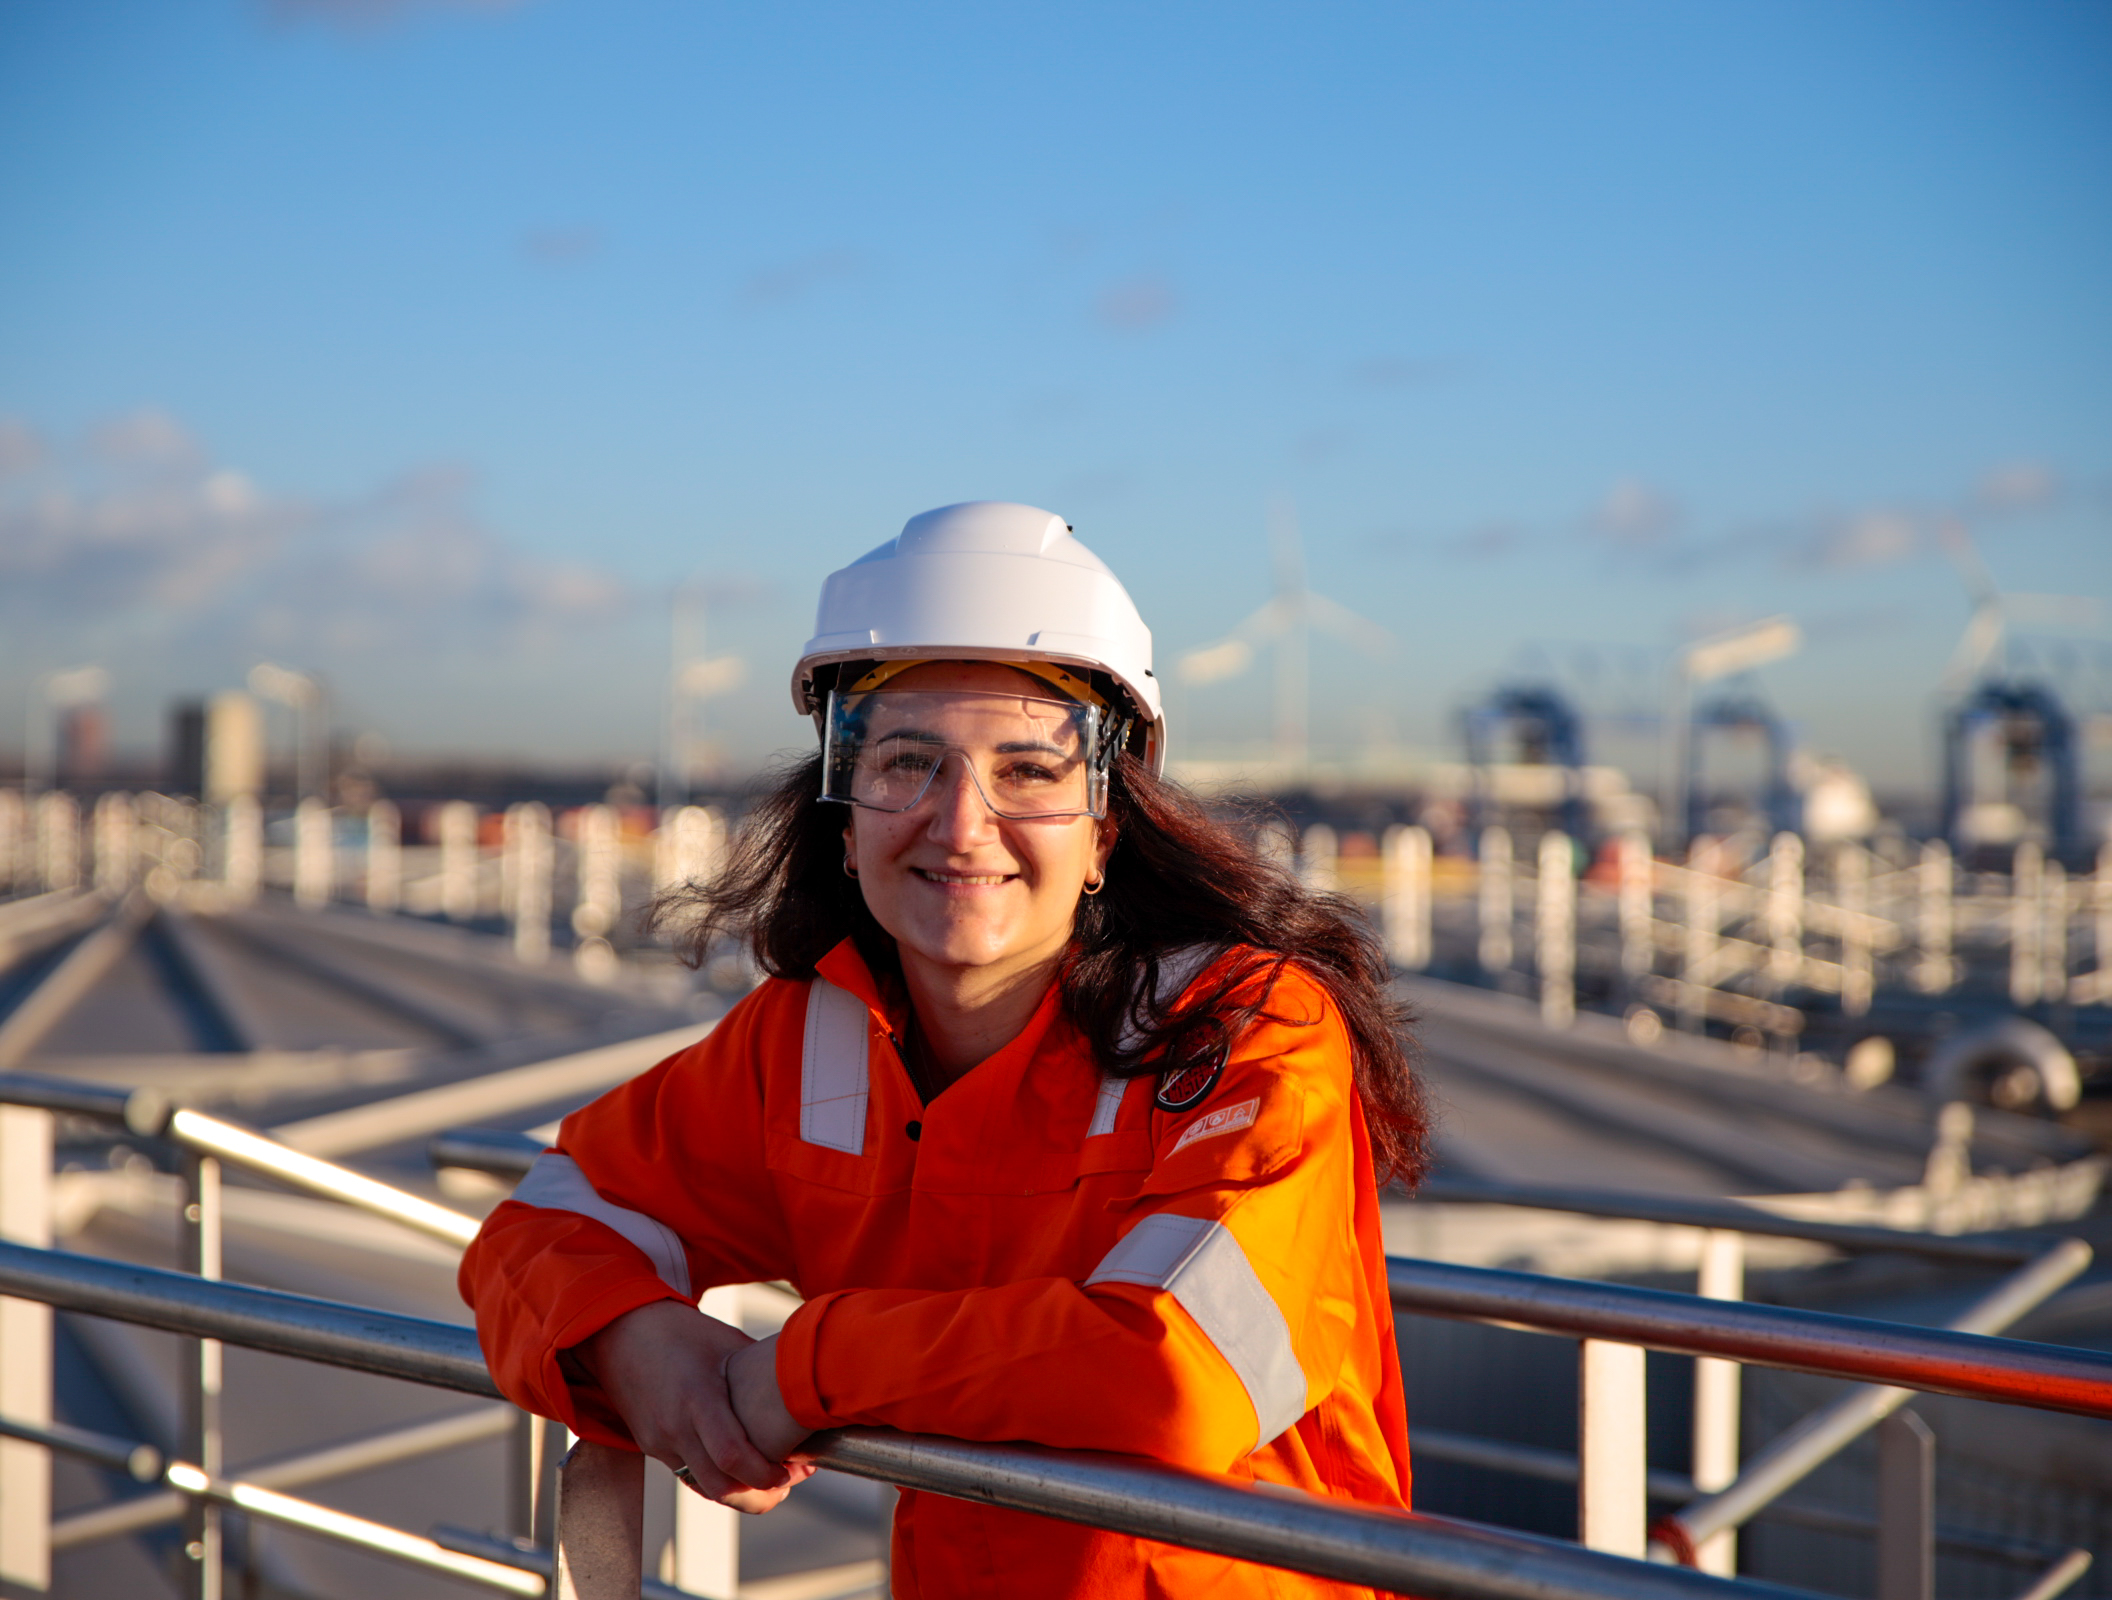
{"x":1178,"y":877}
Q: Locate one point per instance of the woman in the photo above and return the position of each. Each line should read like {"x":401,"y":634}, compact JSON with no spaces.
{"x":1062,"y":1109}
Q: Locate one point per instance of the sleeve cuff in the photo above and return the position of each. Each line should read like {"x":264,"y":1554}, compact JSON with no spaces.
{"x":799,"y":1360}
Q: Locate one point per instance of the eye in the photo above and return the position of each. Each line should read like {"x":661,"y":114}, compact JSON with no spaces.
{"x":1025,"y":772}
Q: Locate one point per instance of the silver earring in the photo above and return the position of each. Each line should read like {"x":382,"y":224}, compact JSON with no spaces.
{"x":1096,"y":885}
{"x":849,"y":871}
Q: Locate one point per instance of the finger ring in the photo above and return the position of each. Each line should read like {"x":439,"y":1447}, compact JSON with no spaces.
{"x":684,"y":1475}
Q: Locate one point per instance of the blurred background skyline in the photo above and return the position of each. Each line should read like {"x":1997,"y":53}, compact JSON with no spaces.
{"x":431,"y":349}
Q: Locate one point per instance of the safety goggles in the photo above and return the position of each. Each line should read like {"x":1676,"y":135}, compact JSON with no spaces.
{"x":1028,"y":758}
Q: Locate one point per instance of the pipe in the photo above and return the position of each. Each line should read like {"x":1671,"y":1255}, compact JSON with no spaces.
{"x":339,"y":1460}
{"x":1730,"y":1215}
{"x":1817,"y":1438}
{"x":383,"y":1342}
{"x":1934,"y":1360}
{"x":1440,"y":1558}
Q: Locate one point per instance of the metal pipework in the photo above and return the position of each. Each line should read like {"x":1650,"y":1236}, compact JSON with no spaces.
{"x":141,"y":1111}
{"x":410,"y":1548}
{"x":1729,"y":1215}
{"x":1817,"y":1438}
{"x":231,"y":1142}
{"x":144,"y":1112}
{"x":1438,"y":1557}
{"x":139,"y":1462}
{"x":289,"y":1472}
{"x":383,"y":1342}
{"x":1933,"y":1360}
{"x":501,"y":1155}
{"x":1433,"y":1556}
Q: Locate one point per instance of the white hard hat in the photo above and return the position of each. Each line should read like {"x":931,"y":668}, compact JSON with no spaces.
{"x":985,"y":580}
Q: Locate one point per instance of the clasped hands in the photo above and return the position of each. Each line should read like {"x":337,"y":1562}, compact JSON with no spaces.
{"x":700,"y":1394}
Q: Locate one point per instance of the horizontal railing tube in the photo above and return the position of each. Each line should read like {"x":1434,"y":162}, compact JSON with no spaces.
{"x":502,"y":1155}
{"x":1436,"y":1557}
{"x":1732,"y":1215}
{"x":1432,"y":1556}
{"x":418,"y":1349}
{"x":1934,"y":1360}
{"x":141,"y":1111}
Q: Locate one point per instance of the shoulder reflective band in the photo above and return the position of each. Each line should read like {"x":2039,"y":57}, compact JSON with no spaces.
{"x":1202,"y":1266}
{"x":1106,"y":1105}
{"x":555,"y":1183}
{"x":832,"y":1069}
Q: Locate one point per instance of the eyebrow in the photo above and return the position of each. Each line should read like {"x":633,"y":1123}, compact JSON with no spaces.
{"x":1011,"y":747}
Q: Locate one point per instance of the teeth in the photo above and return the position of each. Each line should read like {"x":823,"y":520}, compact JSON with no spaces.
{"x":963,"y":877}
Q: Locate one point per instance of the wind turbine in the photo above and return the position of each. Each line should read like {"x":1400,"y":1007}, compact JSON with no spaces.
{"x":1285,"y":624}
{"x":1987,"y":628}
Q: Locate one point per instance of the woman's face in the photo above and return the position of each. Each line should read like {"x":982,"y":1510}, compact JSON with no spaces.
{"x":957,"y":886}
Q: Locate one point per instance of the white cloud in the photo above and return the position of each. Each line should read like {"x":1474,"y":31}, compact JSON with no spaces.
{"x":137,"y":528}
{"x":1878,"y":537}
{"x":1636,"y":516}
{"x":2017,"y":486}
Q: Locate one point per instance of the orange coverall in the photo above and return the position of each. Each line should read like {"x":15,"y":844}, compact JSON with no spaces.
{"x":1039,"y":1254}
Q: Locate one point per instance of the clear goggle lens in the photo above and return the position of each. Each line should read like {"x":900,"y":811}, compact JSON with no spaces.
{"x":886,"y":749}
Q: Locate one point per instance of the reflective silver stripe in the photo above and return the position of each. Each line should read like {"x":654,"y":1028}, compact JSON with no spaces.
{"x":1106,"y":1106}
{"x":832,"y":1069}
{"x":1203,"y":1267}
{"x":555,"y":1183}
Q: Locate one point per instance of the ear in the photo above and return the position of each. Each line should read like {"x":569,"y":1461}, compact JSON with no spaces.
{"x":1104,"y":843}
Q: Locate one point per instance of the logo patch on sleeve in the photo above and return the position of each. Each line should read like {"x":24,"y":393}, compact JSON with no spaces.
{"x":1225,"y":1119}
{"x":1186,"y":1086}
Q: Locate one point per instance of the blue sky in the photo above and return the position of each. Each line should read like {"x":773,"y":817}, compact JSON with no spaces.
{"x":427,"y":345}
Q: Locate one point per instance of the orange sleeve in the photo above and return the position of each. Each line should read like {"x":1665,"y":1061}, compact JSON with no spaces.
{"x":542,"y":1278}
{"x":1224,"y":1312}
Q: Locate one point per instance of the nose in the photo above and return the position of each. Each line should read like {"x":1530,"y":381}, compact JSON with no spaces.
{"x":960,"y":819}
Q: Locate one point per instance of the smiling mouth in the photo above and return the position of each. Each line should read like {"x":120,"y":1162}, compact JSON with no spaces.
{"x":964,"y":879}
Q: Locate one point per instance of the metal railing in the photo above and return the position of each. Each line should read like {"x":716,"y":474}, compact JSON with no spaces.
{"x":1434,"y":1556}
{"x":1614,"y":1323}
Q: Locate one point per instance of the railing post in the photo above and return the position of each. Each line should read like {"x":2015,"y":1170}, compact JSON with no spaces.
{"x":1906,"y":1508}
{"x":600,"y":900}
{"x":1494,"y":900}
{"x":1785,"y":912}
{"x":200,"y":1443}
{"x":1933,"y":972}
{"x":384,"y":856}
{"x":1851,"y":887}
{"x":2053,"y":932}
{"x":1716,"y":1385}
{"x":314,"y":854}
{"x":600,"y":1524}
{"x":458,"y":861}
{"x":1699,"y":950}
{"x":2024,"y":979}
{"x":1555,"y":937}
{"x":15,"y":854}
{"x":707,"y":1534}
{"x":1638,"y":908}
{"x":242,"y":859}
{"x":1405,"y":895}
{"x":1612,"y":1465}
{"x":25,"y":1355}
{"x":686,"y":848}
{"x":59,"y":841}
{"x":529,"y":850}
{"x":1319,"y":859}
{"x":114,"y":828}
